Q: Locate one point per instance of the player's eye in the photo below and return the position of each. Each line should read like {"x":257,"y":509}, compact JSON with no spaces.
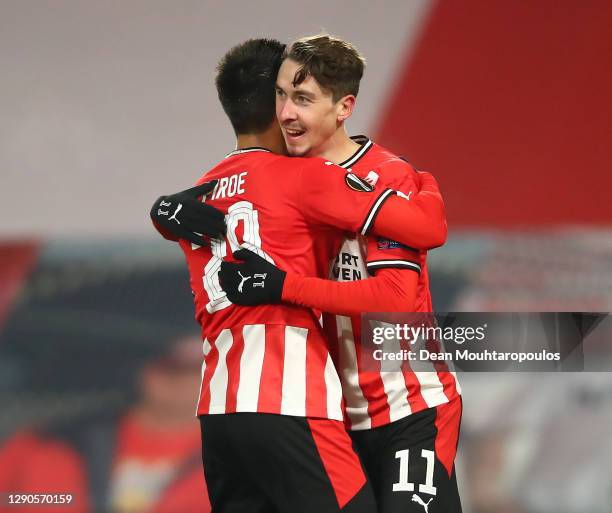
{"x":280,"y":92}
{"x":303,"y":100}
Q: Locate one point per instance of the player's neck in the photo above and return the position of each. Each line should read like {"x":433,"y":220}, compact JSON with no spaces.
{"x":271,"y":139}
{"x":338,"y":148}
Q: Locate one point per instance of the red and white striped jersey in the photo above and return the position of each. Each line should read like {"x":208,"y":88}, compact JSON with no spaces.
{"x":372,"y":398}
{"x":294,"y":212}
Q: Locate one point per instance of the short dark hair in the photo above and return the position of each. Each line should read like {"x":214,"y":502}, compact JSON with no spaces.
{"x":335,"y":64}
{"x":246,"y":76}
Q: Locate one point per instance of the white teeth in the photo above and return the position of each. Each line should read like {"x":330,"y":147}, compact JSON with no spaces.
{"x":294,"y":132}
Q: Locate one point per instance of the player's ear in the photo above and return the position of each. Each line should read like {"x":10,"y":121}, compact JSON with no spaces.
{"x":345,"y":106}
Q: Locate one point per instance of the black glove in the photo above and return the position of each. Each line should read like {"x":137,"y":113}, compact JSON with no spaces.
{"x":255,"y":281}
{"x":185,"y":216}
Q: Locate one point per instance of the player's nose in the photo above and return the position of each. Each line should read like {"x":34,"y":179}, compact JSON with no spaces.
{"x":286,"y":112}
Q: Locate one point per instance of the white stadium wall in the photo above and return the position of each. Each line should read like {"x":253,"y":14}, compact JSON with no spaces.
{"x":107,"y":105}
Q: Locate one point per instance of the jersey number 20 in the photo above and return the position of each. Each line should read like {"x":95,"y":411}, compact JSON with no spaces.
{"x":240,"y":211}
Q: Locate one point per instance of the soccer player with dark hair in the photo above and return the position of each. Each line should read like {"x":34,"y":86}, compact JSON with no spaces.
{"x":405,"y":424}
{"x":270,"y":401}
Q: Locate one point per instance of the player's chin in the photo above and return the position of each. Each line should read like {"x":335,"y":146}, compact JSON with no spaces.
{"x":296,"y":149}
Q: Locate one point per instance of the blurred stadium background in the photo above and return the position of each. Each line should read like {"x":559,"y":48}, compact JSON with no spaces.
{"x":106,"y":105}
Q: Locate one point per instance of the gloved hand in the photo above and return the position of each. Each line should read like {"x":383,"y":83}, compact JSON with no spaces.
{"x":254,"y":281}
{"x":184,"y":215}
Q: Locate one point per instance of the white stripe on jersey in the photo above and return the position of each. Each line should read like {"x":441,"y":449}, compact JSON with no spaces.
{"x":293,"y":399}
{"x":353,"y":395}
{"x":394,"y":385}
{"x":334,"y":391}
{"x":218,"y":382}
{"x":432,"y":389}
{"x":251,"y":364}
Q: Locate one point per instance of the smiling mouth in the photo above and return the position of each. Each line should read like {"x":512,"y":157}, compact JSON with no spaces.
{"x":293,"y":133}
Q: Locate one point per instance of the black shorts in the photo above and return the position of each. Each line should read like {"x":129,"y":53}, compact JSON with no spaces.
{"x":265,"y":463}
{"x":410,"y":462}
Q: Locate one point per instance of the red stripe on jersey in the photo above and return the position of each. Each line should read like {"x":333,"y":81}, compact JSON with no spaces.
{"x":371,"y":383}
{"x":271,"y":385}
{"x":448,"y":420}
{"x":450,"y":385}
{"x":233,"y":369}
{"x":211,"y":364}
{"x":330,"y":328}
{"x":316,"y":359}
{"x":341,"y":463}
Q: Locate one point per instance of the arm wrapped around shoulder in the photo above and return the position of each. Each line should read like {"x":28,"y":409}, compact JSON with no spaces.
{"x":183,"y":215}
{"x":391,"y":290}
{"x":418,"y":221}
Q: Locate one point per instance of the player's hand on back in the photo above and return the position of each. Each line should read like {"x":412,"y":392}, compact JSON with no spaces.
{"x":428,"y":183}
{"x":252,"y":281}
{"x":184,"y":215}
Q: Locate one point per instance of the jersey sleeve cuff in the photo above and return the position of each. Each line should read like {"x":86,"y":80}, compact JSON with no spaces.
{"x":290,"y":285}
{"x":374,"y":265}
{"x":369,"y":222}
